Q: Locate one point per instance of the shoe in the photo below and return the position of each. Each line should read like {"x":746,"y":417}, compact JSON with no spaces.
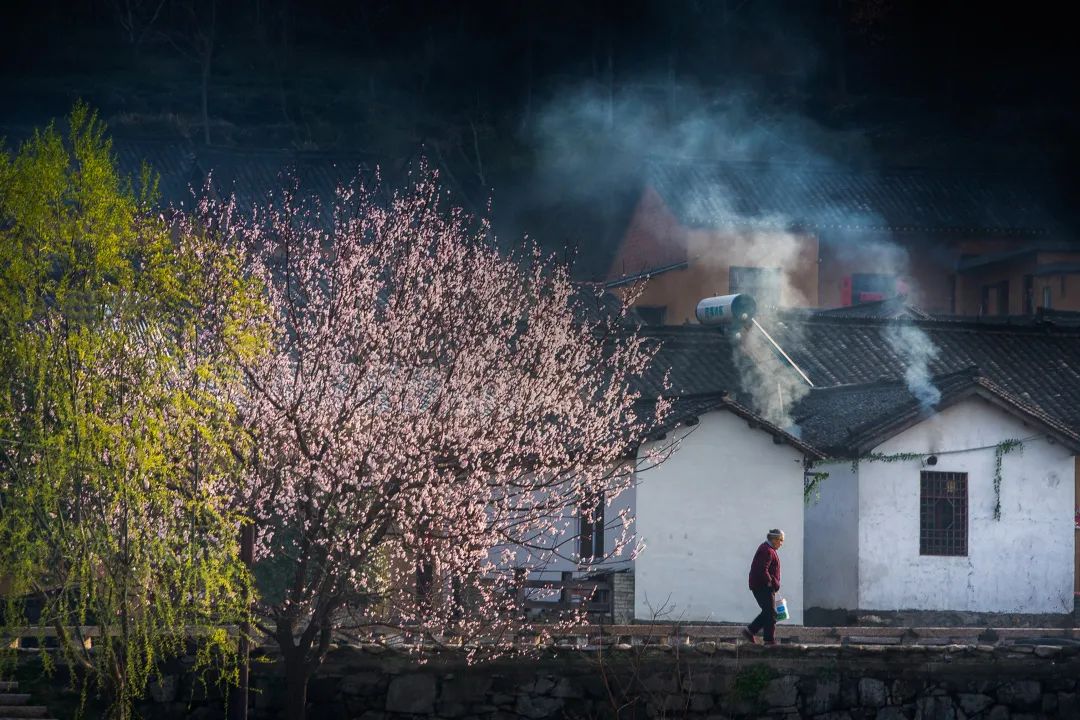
{"x":749,"y":636}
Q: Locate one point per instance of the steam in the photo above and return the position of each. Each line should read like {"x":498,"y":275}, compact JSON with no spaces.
{"x":593,"y":141}
{"x":917,"y":350}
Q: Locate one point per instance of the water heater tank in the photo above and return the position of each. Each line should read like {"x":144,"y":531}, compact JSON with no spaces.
{"x":722,"y":309}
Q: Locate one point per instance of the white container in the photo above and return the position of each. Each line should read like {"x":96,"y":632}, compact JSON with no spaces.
{"x":725,"y":309}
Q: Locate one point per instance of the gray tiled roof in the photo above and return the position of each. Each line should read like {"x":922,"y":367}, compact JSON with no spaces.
{"x":777,"y":195}
{"x":848,"y":420}
{"x":1035,"y":363}
{"x":687,"y":410}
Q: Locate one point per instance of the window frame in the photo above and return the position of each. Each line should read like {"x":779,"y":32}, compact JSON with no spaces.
{"x":591,"y":531}
{"x":936,"y":541}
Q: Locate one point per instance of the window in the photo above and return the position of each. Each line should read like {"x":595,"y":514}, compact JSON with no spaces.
{"x":943,"y":513}
{"x":1003,"y":297}
{"x":995,"y":299}
{"x":870,"y":287}
{"x":591,"y":529}
{"x":1046,"y":297}
{"x":763,"y":284}
{"x":652,"y":314}
{"x":1029,"y":294}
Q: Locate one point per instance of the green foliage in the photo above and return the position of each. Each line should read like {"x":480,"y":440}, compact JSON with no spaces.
{"x":751,"y":681}
{"x":1002,"y":449}
{"x":812,"y":480}
{"x":114,"y":436}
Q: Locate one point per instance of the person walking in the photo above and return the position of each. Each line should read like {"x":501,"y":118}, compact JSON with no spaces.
{"x":765,"y":583}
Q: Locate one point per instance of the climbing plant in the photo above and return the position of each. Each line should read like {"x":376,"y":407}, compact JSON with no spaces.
{"x":813,"y":479}
{"x":1002,"y":449}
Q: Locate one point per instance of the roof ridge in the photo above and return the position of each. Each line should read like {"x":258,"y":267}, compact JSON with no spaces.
{"x":973,"y":371}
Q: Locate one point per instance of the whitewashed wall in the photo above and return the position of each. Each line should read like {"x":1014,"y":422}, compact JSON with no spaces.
{"x":1022,"y":563}
{"x":703,"y":513}
{"x":559,"y":547}
{"x":831,"y":559}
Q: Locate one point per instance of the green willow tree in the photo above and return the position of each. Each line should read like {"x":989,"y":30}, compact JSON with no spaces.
{"x":116,"y":416}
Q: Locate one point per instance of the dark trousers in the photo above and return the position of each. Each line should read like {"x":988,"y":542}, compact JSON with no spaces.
{"x":766,"y":619}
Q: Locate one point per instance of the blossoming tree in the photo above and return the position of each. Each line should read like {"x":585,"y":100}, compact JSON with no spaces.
{"x":428,"y":403}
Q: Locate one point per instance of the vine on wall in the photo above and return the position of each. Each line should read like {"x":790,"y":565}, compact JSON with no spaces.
{"x":1002,"y":449}
{"x":814,"y":479}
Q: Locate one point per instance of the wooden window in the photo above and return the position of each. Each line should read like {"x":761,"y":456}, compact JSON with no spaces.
{"x":1003,"y":297}
{"x":591,"y":529}
{"x":943,"y":513}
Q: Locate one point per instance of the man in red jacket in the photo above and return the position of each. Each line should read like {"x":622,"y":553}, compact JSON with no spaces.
{"x":765,"y":583}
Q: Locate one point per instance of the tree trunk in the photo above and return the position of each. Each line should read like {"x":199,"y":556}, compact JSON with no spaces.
{"x":238,"y":700}
{"x":296,"y":682}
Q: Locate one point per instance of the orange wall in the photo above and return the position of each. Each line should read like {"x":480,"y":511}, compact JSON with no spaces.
{"x":710,"y":256}
{"x":815,"y":270}
{"x":925,"y":265}
{"x":969,"y":292}
{"x":1064,"y":288}
{"x":653,"y":239}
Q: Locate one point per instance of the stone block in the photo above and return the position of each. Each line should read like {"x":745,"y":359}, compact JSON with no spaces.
{"x":1020,"y":693}
{"x":701,"y":702}
{"x":849,"y":693}
{"x":872,"y":693}
{"x":465,"y":689}
{"x":371,"y":715}
{"x":998,"y":712}
{"x":892,"y":713}
{"x":1067,"y":705}
{"x":781,"y":692}
{"x":450,"y":710}
{"x":823,"y":698}
{"x":566,"y":690}
{"x":413,"y":694}
{"x":936,"y":707}
{"x":840,"y":715}
{"x":542,"y":685}
{"x":538,"y":706}
{"x":360,"y":683}
{"x":904,"y":691}
{"x":973,"y":703}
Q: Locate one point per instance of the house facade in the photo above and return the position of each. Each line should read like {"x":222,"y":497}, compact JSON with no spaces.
{"x":957,"y":514}
{"x":797,"y":236}
{"x":702,"y":514}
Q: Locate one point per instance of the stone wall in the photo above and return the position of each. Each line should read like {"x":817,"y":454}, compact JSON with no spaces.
{"x":820,"y":617}
{"x":706,"y":681}
{"x":622,"y":597}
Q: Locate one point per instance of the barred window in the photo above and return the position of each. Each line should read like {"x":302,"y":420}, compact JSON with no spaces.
{"x":943,"y":513}
{"x":591,"y":528}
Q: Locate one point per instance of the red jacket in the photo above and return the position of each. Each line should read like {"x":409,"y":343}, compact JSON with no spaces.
{"x":765,"y":569}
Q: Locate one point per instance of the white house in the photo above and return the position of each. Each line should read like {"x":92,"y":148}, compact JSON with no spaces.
{"x":966,"y":507}
{"x":702,"y":514}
